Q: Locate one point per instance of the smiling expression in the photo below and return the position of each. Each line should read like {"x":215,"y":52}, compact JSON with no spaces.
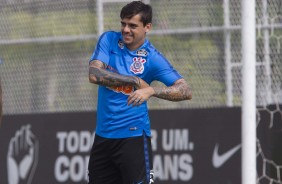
{"x":134,"y":32}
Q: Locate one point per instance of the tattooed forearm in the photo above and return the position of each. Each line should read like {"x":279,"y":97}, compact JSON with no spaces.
{"x":106,"y":78}
{"x":179,"y":91}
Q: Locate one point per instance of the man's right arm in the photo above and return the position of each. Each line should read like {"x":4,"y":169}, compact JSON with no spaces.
{"x":99,"y":75}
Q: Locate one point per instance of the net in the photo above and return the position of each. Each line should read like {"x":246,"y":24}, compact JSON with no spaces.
{"x":269,"y":162}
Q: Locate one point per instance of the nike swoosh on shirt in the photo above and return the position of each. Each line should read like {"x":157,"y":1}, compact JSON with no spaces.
{"x":219,"y":160}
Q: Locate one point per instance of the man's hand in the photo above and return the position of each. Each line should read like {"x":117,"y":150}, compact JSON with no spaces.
{"x":143,"y":93}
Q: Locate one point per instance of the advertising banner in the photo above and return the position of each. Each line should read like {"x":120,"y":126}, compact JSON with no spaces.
{"x":189,"y":146}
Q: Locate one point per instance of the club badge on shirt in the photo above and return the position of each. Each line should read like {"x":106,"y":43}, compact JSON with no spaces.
{"x":137,"y":66}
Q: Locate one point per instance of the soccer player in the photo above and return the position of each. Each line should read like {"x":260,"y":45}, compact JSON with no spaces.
{"x":123,"y":64}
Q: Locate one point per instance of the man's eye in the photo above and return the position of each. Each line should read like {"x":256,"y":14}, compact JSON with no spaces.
{"x":133,"y":26}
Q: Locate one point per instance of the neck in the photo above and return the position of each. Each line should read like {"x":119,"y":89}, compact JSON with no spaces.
{"x":134,"y":47}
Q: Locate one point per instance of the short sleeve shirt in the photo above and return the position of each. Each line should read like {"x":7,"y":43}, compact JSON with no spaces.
{"x":115,"y":119}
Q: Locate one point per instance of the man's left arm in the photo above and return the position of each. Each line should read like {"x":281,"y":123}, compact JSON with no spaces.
{"x":179,"y":91}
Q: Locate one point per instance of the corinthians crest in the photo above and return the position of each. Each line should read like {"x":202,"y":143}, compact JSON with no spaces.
{"x":137,"y":66}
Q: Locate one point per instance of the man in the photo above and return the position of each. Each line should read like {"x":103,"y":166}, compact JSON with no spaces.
{"x":123,"y":65}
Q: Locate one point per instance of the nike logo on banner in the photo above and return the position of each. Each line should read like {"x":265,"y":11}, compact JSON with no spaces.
{"x":219,"y":160}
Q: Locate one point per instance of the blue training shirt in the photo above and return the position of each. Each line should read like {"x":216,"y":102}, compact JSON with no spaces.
{"x":115,"y":119}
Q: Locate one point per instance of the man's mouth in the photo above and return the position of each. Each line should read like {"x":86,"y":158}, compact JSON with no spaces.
{"x":127,"y":36}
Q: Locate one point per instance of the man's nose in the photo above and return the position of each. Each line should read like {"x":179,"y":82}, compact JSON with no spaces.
{"x":126,"y":28}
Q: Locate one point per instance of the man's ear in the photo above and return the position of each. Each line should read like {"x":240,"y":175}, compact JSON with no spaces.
{"x":148,"y":27}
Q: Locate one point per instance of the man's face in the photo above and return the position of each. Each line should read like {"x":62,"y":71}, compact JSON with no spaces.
{"x":134,"y":32}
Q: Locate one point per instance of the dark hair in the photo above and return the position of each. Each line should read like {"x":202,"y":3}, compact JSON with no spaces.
{"x":137,"y":7}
